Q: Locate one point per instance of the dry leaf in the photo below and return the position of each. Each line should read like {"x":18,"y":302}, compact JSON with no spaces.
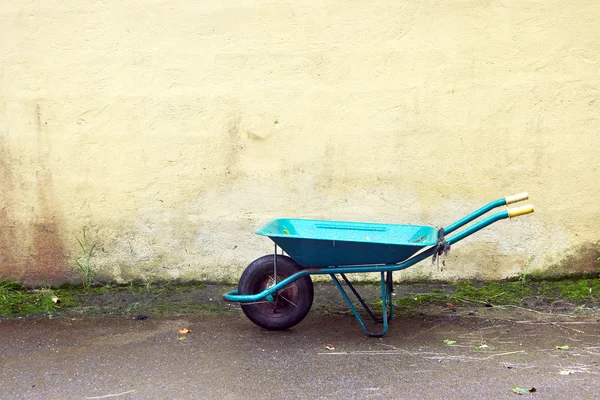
{"x":184,"y":331}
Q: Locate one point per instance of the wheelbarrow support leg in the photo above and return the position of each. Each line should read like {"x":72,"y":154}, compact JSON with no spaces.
{"x":390,"y":290}
{"x":362,"y":302}
{"x":386,"y":301}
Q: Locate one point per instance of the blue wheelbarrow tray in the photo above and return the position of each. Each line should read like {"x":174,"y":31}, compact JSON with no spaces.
{"x":319,"y":243}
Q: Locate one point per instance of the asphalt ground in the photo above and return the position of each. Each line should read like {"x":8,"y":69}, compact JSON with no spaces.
{"x":434,"y":352}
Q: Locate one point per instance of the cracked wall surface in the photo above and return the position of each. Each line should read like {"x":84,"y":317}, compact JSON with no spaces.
{"x":171,"y":131}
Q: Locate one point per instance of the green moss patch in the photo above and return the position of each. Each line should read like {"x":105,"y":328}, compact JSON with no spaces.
{"x":17,"y":300}
{"x":201,"y":298}
{"x":572,"y":290}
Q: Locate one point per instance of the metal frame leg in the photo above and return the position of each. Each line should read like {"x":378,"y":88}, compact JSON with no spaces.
{"x":390,"y":290}
{"x":386,"y":302}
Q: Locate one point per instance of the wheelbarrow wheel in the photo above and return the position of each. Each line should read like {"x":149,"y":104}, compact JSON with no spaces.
{"x":290,"y":304}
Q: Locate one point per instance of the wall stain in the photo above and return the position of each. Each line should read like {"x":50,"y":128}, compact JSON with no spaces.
{"x":8,"y":245}
{"x":234,"y":145}
{"x":48,"y":258}
{"x":326,"y":178}
{"x":582,"y":260}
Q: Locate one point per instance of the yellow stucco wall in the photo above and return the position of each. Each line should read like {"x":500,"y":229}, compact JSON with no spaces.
{"x":171,"y":130}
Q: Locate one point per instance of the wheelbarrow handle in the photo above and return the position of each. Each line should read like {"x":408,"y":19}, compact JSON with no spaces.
{"x":517,"y":211}
{"x":515,"y":198}
{"x":483,"y":210}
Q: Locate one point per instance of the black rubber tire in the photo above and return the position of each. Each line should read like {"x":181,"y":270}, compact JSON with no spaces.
{"x":291,"y":304}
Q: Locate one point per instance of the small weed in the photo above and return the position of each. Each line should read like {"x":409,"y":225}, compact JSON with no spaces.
{"x":132,"y":307}
{"x":84,"y":263}
{"x":525,"y":270}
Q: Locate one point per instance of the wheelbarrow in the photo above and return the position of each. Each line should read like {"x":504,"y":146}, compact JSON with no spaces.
{"x":276,"y":292}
